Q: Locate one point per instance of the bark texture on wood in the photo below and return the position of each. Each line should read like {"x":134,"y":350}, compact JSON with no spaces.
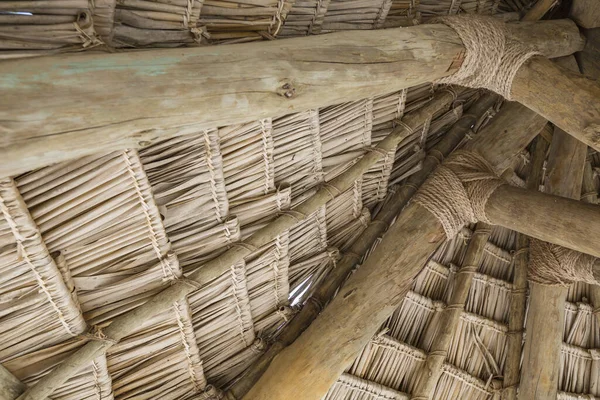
{"x":326,"y":291}
{"x":518,"y":299}
{"x":545,"y":318}
{"x":586,"y":13}
{"x":62,"y":107}
{"x":308,"y":367}
{"x":432,"y":369}
{"x":10,"y":386}
{"x":568,"y":100}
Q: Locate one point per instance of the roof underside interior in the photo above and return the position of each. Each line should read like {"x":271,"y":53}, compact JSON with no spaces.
{"x":84,"y":241}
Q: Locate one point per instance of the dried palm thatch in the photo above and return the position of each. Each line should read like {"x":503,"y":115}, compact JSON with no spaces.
{"x":91,"y":383}
{"x":32,"y":290}
{"x":351,"y":387}
{"x":35,"y":28}
{"x":140,"y":23}
{"x":355,"y":14}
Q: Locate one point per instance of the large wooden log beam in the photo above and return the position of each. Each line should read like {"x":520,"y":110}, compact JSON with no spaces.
{"x":308,"y":367}
{"x":545,"y":319}
{"x":61,"y":107}
{"x":518,"y":297}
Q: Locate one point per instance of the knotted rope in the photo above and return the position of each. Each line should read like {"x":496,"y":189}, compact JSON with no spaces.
{"x":457,"y":192}
{"x":492,"y":58}
{"x":554,"y":265}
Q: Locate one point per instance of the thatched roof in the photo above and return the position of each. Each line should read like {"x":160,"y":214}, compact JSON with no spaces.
{"x":86,"y":240}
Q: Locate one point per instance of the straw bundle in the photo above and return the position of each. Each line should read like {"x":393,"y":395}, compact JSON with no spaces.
{"x":485,"y":7}
{"x":222,"y":322}
{"x":575,"y":370}
{"x":36,"y":306}
{"x":267,"y":283}
{"x":355,"y":14}
{"x":160,"y":360}
{"x":196,"y":246}
{"x":578,"y":291}
{"x":248,"y":165}
{"x":307,"y":275}
{"x":297,"y":154}
{"x":91,"y":383}
{"x":574,"y":396}
{"x":100,"y":213}
{"x":156,"y":23}
{"x":489,"y":297}
{"x":186,"y":176}
{"x":434,"y":281}
{"x":254,"y":213}
{"x":580,"y":327}
{"x":305,"y":18}
{"x":415,"y":314}
{"x":478,"y":345}
{"x":309,"y":237}
{"x":341,"y":211}
{"x":232,"y":21}
{"x":388,"y":362}
{"x":40,"y":27}
{"x":349,"y":387}
{"x":457,"y":384}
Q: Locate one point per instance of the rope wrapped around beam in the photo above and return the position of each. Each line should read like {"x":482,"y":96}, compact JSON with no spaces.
{"x":492,"y":58}
{"x":457,"y":192}
{"x":554,"y":265}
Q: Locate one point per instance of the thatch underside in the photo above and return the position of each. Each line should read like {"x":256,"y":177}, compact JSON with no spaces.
{"x":87,"y":240}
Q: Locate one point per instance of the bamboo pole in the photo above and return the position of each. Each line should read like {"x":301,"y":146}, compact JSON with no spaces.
{"x":431,"y":371}
{"x":545,"y":319}
{"x":326,"y":291}
{"x":130,"y":321}
{"x":132,"y":99}
{"x":516,"y":318}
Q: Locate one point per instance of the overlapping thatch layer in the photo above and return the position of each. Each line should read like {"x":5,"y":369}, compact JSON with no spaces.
{"x":86,"y":240}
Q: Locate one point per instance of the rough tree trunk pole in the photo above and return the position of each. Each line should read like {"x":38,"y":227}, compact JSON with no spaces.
{"x":10,"y":387}
{"x":326,"y":291}
{"x":62,"y":107}
{"x":126,"y":323}
{"x":545,"y":318}
{"x":518,"y":299}
{"x":432,"y":368}
{"x":308,"y":367}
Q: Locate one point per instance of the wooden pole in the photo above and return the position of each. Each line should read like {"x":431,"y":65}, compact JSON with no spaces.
{"x":555,"y":93}
{"x":307,"y":368}
{"x":10,"y":387}
{"x":431,"y":371}
{"x":61,"y":107}
{"x":326,"y":291}
{"x":545,"y":318}
{"x":518,"y":300}
{"x":126,"y":323}
{"x":539,"y":9}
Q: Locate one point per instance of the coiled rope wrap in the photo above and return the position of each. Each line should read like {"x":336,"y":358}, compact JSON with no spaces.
{"x":492,"y":58}
{"x":554,"y":265}
{"x":457,"y":192}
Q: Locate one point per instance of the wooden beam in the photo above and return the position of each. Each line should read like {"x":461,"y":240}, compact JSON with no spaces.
{"x":518,"y":299}
{"x":586,"y":13}
{"x":327,"y":290}
{"x":10,"y":386}
{"x":61,"y":107}
{"x":555,"y":93}
{"x":545,"y":319}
